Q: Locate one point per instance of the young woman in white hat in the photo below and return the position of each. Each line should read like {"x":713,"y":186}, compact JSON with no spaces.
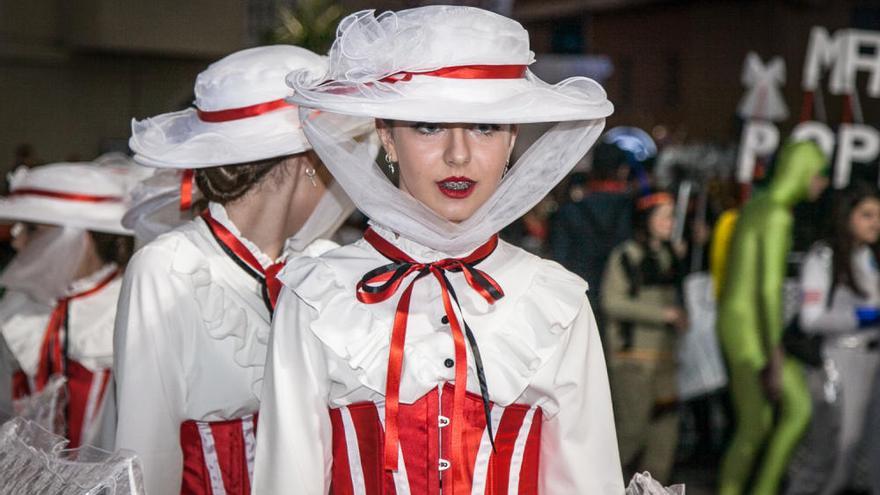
{"x":431,"y":354}
{"x":196,"y":304}
{"x":56,"y":318}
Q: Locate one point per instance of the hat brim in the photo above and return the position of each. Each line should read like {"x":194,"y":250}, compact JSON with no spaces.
{"x":438,"y":99}
{"x":100,"y":218}
{"x":182,"y":140}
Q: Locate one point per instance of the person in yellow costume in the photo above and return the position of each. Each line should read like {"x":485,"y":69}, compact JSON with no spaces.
{"x":750,"y":325}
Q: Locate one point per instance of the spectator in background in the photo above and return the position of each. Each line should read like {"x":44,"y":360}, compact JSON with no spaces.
{"x":596,"y":217}
{"x":644,"y":317}
{"x":841,"y":301}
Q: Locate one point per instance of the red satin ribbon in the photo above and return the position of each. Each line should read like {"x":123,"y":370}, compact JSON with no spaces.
{"x":52,"y":349}
{"x":241,"y":112}
{"x":87,"y":198}
{"x":230,"y":241}
{"x":186,"y":189}
{"x":381,"y":284}
{"x":465,"y":72}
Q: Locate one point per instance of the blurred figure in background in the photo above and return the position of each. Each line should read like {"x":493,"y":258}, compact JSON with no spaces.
{"x":640,"y":297}
{"x":596,"y":216}
{"x":841,"y":302}
{"x":57,"y":318}
{"x":750,"y":324}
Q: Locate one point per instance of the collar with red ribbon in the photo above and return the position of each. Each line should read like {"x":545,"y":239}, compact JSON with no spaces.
{"x":53,"y":351}
{"x":382,"y":283}
{"x":245,"y":259}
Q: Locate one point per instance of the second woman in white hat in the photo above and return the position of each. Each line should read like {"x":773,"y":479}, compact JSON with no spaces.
{"x":56,"y":318}
{"x":196,"y":304}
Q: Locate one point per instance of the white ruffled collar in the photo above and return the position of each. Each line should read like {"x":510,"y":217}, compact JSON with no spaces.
{"x":415,"y":250}
{"x":218,"y":212}
{"x":90,"y":281}
{"x":517,"y":335}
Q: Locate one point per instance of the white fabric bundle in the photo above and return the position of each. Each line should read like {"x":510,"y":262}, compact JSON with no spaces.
{"x":33,"y":460}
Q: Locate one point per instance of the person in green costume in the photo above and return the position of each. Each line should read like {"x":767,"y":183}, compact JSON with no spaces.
{"x":750,"y":325}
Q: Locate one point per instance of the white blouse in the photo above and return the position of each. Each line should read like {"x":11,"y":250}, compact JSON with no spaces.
{"x":90,"y":324}
{"x":190,"y":342}
{"x":837,"y":317}
{"x":21,"y":317}
{"x":539,"y":346}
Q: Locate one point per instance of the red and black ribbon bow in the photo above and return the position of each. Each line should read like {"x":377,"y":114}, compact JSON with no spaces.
{"x":245,"y":259}
{"x":53,"y":351}
{"x":382,"y":283}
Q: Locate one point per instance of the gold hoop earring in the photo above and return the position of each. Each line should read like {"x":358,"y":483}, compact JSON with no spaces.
{"x":311,"y":173}
{"x":389,"y":163}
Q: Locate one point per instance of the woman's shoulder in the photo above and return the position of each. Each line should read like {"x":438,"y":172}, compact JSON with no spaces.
{"x":534,"y":273}
{"x":820,"y":252}
{"x":179,"y":250}
{"x":630,"y":248}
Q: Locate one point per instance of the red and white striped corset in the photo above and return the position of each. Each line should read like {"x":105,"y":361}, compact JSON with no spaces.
{"x":85,"y":396}
{"x":425,"y":449}
{"x":218,"y":456}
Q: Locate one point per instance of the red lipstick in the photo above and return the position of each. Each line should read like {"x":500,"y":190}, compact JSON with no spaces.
{"x":456,"y":187}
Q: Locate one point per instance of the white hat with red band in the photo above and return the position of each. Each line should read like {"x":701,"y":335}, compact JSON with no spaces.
{"x":444,"y":63}
{"x":85,"y":195}
{"x":239,"y":116}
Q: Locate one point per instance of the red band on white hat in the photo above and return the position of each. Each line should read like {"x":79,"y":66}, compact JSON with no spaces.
{"x":242,"y":112}
{"x":466,"y":72}
{"x":87,"y":198}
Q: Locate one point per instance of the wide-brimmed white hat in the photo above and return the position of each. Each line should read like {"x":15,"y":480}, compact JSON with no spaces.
{"x":444,"y":64}
{"x":85,"y":195}
{"x":240,"y":114}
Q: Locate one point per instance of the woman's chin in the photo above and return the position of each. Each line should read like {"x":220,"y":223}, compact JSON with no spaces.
{"x":454,"y":215}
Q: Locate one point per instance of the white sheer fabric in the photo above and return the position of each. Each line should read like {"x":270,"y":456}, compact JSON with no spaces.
{"x":35,"y":461}
{"x":47,"y":265}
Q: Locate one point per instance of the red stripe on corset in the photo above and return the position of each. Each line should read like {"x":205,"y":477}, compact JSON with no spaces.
{"x":79,"y":383}
{"x":365,"y":417}
{"x":505,"y":437}
{"x":342,"y":484}
{"x":231,"y":452}
{"x":528,"y":476}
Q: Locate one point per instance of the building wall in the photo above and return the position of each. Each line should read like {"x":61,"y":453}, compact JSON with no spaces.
{"x":680,"y":64}
{"x":71,"y":78}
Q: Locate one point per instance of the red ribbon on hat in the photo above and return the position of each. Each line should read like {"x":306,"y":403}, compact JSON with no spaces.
{"x":465,"y":72}
{"x":88,"y":198}
{"x":52,"y":359}
{"x":241,"y":112}
{"x":236,"y":250}
{"x":382,"y":283}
